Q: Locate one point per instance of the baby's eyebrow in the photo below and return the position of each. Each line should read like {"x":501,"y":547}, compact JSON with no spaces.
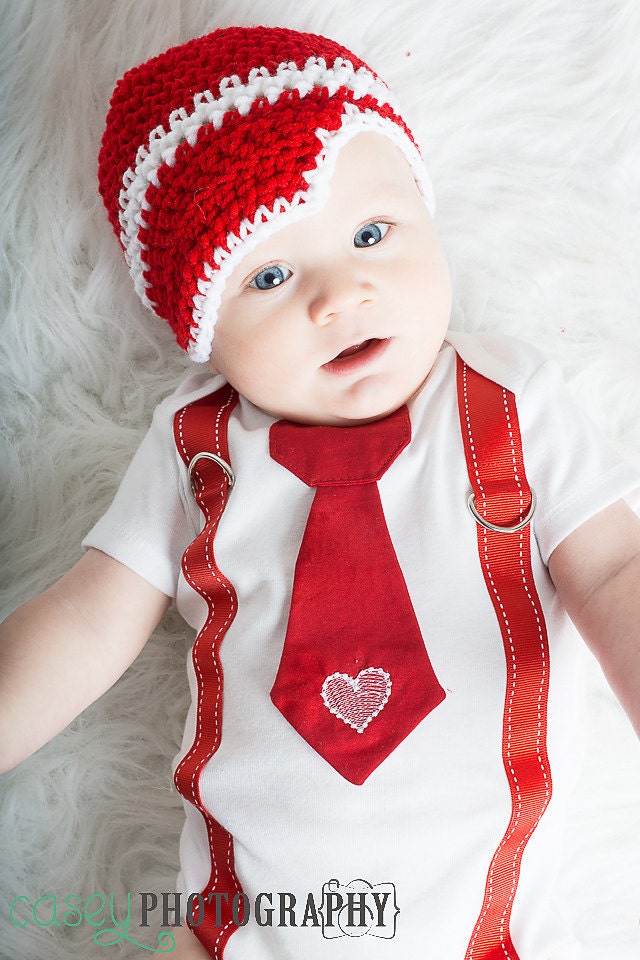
{"x":383,"y":189}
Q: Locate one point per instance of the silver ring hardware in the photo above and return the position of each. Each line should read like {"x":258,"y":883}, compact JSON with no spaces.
{"x":471,"y":503}
{"x":204,"y":455}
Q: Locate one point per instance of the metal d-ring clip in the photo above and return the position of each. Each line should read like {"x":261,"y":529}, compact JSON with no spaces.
{"x":204,"y":455}
{"x":471,"y":503}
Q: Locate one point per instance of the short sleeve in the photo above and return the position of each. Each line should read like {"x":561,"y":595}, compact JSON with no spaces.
{"x":148,"y":527}
{"x":572,"y":467}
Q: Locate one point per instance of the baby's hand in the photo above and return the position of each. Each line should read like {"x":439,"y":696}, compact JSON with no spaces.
{"x":188,"y":947}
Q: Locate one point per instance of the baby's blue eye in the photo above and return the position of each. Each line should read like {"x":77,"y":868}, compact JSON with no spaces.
{"x":270,"y":277}
{"x":370,"y":234}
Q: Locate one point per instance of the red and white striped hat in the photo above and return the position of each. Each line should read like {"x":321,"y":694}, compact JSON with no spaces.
{"x":214,"y":145}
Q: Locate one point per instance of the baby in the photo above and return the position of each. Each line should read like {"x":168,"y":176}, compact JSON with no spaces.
{"x":378,"y":528}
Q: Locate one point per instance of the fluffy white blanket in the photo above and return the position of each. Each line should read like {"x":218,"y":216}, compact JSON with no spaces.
{"x":527,"y":111}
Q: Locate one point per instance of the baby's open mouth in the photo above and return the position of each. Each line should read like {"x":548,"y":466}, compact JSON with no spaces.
{"x":357,"y":356}
{"x":356,"y":348}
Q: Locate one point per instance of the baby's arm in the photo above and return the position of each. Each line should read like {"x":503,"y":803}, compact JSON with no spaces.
{"x":62,"y":650}
{"x":596,"y":571}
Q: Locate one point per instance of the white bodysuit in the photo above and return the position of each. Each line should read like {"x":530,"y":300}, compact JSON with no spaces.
{"x":425,"y":824}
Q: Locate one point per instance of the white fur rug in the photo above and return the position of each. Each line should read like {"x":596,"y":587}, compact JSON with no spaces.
{"x":528,"y":114}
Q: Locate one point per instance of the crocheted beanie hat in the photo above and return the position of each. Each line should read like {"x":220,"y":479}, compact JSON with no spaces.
{"x":215,"y":144}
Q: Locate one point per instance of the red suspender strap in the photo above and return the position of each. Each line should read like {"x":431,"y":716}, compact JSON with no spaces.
{"x":200,"y":431}
{"x":502,"y":498}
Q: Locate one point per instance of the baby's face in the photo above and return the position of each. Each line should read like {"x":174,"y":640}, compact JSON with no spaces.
{"x":338,"y":318}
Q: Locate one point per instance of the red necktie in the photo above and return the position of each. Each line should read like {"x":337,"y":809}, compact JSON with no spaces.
{"x":355,"y":677}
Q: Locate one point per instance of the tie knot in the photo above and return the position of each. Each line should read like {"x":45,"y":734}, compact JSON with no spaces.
{"x":334,"y":456}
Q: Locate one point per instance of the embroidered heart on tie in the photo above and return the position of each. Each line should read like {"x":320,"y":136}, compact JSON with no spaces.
{"x":356,"y":701}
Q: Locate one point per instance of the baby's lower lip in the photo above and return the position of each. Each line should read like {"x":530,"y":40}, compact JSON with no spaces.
{"x":356,"y":356}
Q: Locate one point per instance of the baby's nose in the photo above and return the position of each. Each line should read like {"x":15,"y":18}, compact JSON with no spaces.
{"x":337,"y":293}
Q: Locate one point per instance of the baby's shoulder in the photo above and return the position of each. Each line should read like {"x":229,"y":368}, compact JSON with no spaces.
{"x":194,"y":386}
{"x":507,"y":360}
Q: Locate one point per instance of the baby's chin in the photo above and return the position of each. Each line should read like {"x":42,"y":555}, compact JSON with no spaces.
{"x":369,"y":406}
{"x":353,"y":413}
